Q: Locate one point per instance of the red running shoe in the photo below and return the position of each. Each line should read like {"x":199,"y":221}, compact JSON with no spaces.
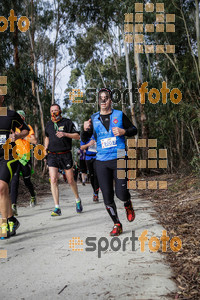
{"x":117,"y":230}
{"x":130,"y":213}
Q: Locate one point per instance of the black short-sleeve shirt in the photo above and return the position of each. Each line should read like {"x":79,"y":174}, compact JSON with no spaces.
{"x":11,"y":121}
{"x":60,"y":144}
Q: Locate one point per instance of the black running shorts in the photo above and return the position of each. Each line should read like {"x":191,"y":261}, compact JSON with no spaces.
{"x":7,"y":168}
{"x":60,"y":161}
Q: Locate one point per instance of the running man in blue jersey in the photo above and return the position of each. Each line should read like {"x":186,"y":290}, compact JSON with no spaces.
{"x":110,"y":127}
{"x":90,"y":157}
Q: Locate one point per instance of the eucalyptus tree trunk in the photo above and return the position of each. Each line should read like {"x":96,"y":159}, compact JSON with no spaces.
{"x":198,"y":30}
{"x":36,"y":89}
{"x":99,"y":71}
{"x":141,"y":152}
{"x":130,"y":86}
{"x":139,"y":78}
{"x":35,"y":110}
{"x":55,"y":52}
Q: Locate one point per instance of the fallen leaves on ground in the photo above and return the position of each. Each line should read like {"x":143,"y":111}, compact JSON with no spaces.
{"x":178,"y":210}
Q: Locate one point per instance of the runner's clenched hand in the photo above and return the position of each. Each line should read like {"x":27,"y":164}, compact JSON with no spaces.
{"x":91,"y":143}
{"x":118,"y":131}
{"x":60,"y":134}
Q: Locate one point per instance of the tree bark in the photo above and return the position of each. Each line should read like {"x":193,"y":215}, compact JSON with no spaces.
{"x":116,"y":67}
{"x":130,"y":87}
{"x":37,"y":91}
{"x":99,"y":71}
{"x":16,"y":52}
{"x":35,"y":112}
{"x":198,"y":30}
{"x":55,"y":52}
{"x":119,"y":42}
{"x":139,"y":79}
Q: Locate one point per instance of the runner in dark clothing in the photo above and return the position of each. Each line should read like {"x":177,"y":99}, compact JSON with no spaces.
{"x":82,"y":165}
{"x":75,"y":170}
{"x":90,"y":158}
{"x":9,"y":121}
{"x":58,"y":143}
{"x":109,"y":127}
{"x":24,"y":167}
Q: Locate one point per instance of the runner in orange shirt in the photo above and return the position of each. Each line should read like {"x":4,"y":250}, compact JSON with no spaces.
{"x":24,"y":167}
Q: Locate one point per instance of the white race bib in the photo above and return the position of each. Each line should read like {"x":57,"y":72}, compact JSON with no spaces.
{"x":93,"y":148}
{"x":2,"y":139}
{"x":109,"y":142}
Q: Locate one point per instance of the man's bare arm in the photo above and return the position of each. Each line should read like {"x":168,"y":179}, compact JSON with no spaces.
{"x":46,"y":143}
{"x":18,"y":135}
{"x":32,"y":139}
{"x":84,"y":147}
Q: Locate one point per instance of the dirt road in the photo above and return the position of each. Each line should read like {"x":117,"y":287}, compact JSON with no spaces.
{"x":41,"y":264}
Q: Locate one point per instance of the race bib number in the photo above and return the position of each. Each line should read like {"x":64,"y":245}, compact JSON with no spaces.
{"x":2,"y":139}
{"x":109,"y":142}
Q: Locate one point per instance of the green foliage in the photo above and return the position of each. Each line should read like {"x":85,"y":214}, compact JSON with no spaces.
{"x":92,"y":33}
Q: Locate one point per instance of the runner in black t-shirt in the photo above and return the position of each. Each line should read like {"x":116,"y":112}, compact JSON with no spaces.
{"x":9,"y":120}
{"x":58,"y":143}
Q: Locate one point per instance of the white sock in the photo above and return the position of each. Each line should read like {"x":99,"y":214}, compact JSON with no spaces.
{"x":57,"y":206}
{"x":78,"y":200}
